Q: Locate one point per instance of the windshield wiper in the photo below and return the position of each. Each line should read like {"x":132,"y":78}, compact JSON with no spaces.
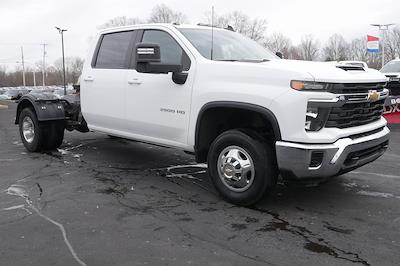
{"x":244,"y":60}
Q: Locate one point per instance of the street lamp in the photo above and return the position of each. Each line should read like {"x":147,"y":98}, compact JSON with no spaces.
{"x":383,"y":28}
{"x":61,"y":31}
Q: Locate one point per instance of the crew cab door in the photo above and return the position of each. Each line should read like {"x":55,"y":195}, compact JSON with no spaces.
{"x":157,"y":108}
{"x":103,"y":89}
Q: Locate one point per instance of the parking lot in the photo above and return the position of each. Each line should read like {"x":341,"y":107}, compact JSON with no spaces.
{"x":105,"y":201}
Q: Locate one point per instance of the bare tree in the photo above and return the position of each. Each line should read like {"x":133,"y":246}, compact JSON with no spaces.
{"x":257,"y":29}
{"x":73,"y":68}
{"x":358,"y":50}
{"x":163,"y":14}
{"x":240,"y":22}
{"x":120,"y":21}
{"x":3,"y":76}
{"x":277,"y":42}
{"x":336,"y":48}
{"x":221,"y":21}
{"x":392,"y":44}
{"x":308,"y":48}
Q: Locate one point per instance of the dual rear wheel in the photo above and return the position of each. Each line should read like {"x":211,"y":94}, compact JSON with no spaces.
{"x":37,"y":135}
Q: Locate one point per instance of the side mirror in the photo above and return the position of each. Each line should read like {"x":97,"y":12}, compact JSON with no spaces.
{"x":279,"y":54}
{"x":148,"y":60}
{"x":148,"y":52}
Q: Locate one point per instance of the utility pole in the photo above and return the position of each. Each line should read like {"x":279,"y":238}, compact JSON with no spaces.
{"x":44,"y":64}
{"x":34,"y":78}
{"x":61,"y":31}
{"x":23,"y":66}
{"x":382,"y":30}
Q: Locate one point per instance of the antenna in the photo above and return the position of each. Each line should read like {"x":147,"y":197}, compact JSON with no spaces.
{"x":212,"y":32}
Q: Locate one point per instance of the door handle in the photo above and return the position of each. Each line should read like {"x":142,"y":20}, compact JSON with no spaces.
{"x":88,"y":78}
{"x":134,"y":81}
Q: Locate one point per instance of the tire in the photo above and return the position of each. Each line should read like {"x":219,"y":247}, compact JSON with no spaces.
{"x":240,"y":185}
{"x":39,"y":136}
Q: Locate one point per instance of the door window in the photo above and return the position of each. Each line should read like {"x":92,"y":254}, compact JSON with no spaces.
{"x":113,"y":50}
{"x":171,"y":52}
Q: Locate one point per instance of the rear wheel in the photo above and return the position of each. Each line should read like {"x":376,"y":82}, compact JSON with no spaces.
{"x":39,"y":136}
{"x":242,"y":166}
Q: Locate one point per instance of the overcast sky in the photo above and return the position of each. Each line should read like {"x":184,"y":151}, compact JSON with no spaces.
{"x":30,"y":23}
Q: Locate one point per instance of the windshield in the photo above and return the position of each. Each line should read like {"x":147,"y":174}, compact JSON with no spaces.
{"x":228,"y":45}
{"x":392,"y":66}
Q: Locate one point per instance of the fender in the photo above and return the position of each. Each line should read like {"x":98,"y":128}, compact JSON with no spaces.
{"x":266,"y":113}
{"x":47,"y":106}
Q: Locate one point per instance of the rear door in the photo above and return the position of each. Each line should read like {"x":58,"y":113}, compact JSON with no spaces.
{"x":104,"y":82}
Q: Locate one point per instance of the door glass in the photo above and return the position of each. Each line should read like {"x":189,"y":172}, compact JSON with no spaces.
{"x":113,"y":50}
{"x":171,"y":52}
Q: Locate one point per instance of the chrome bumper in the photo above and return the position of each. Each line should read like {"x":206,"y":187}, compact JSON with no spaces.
{"x":297,"y":160}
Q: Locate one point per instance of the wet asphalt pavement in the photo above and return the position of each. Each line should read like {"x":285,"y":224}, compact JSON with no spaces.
{"x":103,"y":201}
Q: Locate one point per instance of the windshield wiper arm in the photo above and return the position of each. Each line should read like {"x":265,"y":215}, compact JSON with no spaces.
{"x":244,"y":60}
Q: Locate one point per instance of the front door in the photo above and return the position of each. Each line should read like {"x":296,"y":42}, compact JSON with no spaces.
{"x":157,"y":107}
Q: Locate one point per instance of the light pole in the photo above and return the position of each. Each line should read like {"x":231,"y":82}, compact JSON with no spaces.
{"x":382,"y":28}
{"x":23,"y":66}
{"x":61,"y":31}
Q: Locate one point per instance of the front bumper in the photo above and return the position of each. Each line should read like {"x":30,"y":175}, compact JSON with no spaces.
{"x":315,"y":161}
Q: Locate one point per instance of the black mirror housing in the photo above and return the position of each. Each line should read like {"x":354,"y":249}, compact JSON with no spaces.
{"x":157,"y":68}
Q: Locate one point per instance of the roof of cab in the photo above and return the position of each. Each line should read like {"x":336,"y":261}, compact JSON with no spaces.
{"x":165,"y":25}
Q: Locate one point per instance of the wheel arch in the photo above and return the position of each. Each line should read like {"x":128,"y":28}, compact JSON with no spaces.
{"x":207,"y":112}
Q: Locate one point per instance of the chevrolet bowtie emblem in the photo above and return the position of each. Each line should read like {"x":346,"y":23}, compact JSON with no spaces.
{"x":373,"y":96}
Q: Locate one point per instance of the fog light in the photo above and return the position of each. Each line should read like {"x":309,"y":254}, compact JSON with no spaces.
{"x":316,"y":159}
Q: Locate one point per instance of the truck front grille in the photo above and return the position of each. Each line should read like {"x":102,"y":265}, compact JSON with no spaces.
{"x":349,"y":88}
{"x":355,"y":114}
{"x":394,"y":88}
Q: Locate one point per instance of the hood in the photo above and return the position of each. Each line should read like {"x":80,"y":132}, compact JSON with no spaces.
{"x":323,"y":72}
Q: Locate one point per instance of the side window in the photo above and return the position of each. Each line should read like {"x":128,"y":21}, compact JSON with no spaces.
{"x":171,"y":52}
{"x":113,"y":50}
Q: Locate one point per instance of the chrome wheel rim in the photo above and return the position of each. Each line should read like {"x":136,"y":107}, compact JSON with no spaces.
{"x":28,"y":129}
{"x":236,"y":168}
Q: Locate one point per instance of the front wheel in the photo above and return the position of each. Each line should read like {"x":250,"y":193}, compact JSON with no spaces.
{"x":39,"y":136}
{"x":242,"y":166}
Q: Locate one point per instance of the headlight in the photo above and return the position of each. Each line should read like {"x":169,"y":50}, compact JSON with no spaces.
{"x":308,"y":85}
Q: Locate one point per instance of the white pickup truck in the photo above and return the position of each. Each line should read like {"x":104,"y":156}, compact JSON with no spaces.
{"x":232,"y":103}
